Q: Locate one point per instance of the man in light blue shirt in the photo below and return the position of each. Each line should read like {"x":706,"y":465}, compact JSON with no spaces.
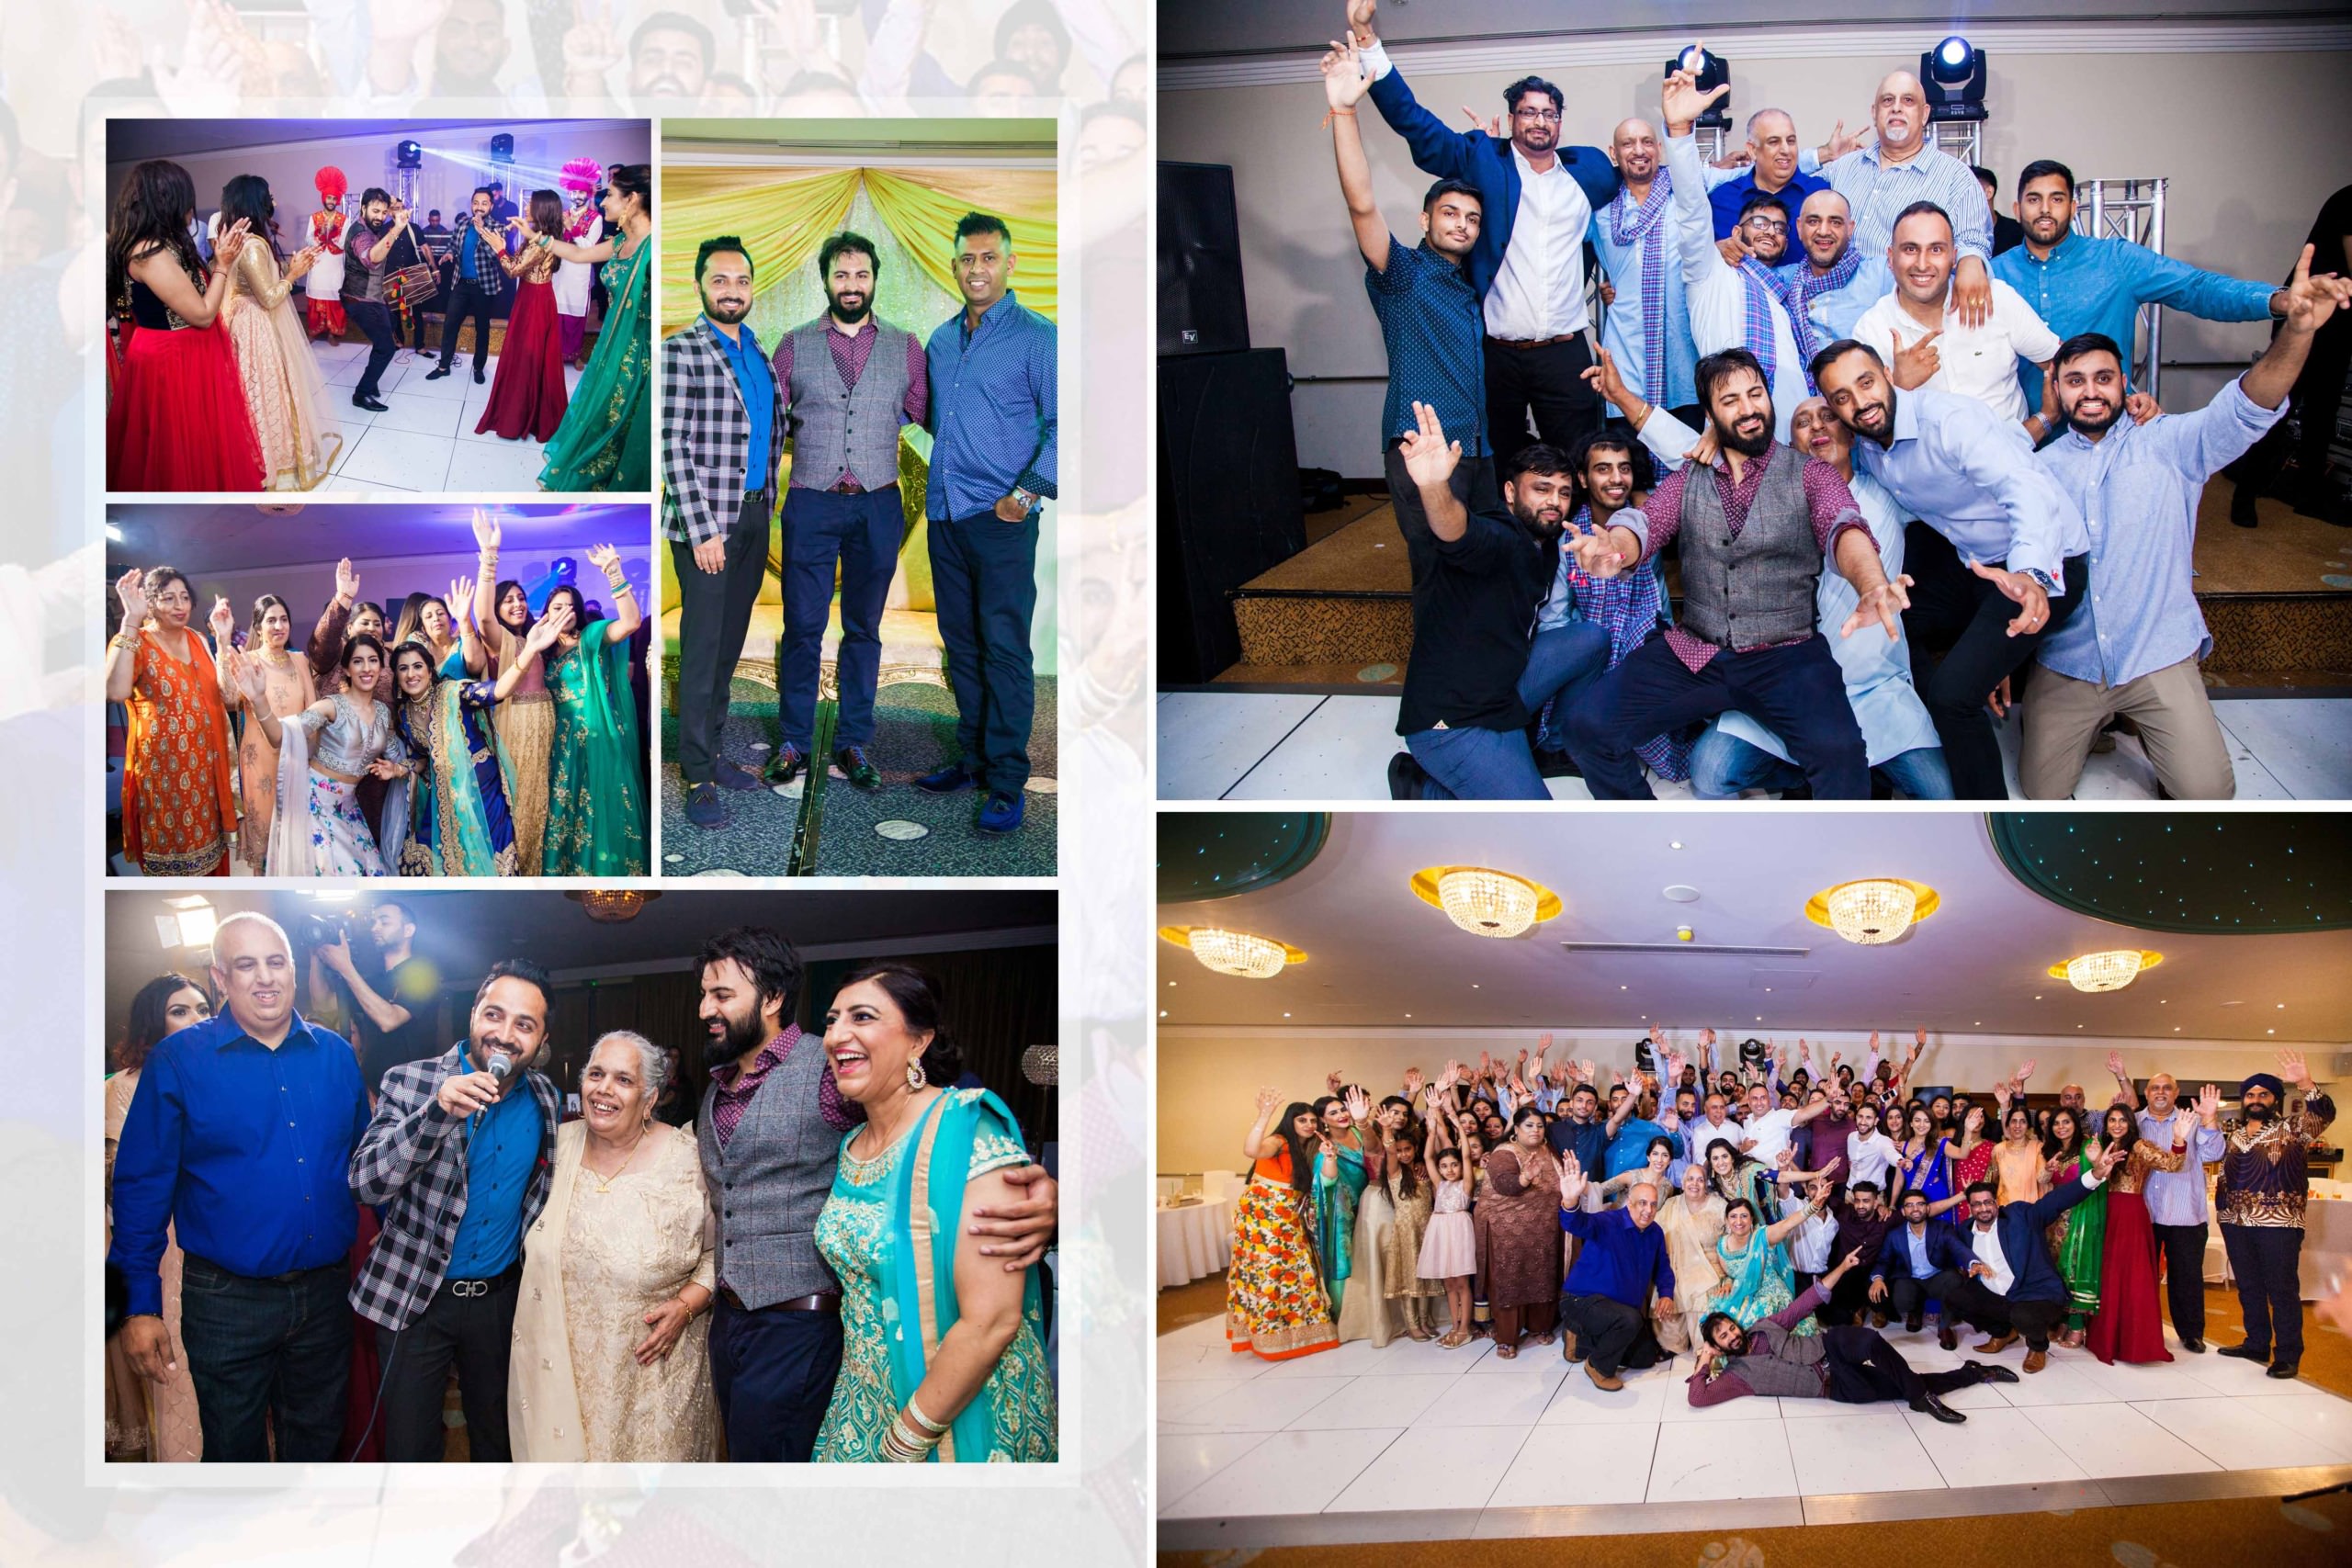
{"x":1647,"y":328}
{"x":2175,"y":1198}
{"x":1879,"y":181}
{"x":1826,"y":289}
{"x":2134,"y":646}
{"x":2086,"y":283}
{"x":1969,"y":478}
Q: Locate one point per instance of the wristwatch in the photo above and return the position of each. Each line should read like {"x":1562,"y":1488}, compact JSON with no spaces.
{"x":2043,"y":578}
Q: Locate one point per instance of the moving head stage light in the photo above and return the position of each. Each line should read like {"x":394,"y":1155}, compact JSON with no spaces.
{"x":1952,"y":76}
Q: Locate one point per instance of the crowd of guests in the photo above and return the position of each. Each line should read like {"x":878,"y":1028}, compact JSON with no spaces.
{"x":212,"y":381}
{"x":309,"y":1243}
{"x":472,"y":734}
{"x":1886,"y":457}
{"x":1771,"y":1215}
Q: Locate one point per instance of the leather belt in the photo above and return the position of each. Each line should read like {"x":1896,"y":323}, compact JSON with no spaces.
{"x":1533,"y":342}
{"x":849,"y":487}
{"x":825,"y":1302}
{"x":470,"y":1287}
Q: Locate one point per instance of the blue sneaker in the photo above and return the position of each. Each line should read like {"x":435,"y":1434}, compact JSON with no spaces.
{"x":1000,"y":814}
{"x":702,"y":807}
{"x":948,"y":779}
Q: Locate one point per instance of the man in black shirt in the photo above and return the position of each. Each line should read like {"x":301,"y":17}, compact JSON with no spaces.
{"x":396,"y":1010}
{"x":1464,"y":726}
{"x":2008,"y":232}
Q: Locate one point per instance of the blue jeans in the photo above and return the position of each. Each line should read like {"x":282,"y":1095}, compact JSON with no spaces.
{"x":772,"y":1371}
{"x":1722,"y":765}
{"x":267,"y":1353}
{"x":862,"y":533}
{"x":1563,"y":663}
{"x":1796,"y":691}
{"x":1477,"y":764}
{"x":984,"y":582}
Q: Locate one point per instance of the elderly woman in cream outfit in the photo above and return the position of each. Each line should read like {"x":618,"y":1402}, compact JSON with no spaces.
{"x":611,"y":1338}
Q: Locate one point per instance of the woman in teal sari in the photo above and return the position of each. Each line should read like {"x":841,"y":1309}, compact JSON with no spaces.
{"x":1758,"y":1279}
{"x":1340,"y":1177}
{"x":605,"y":441}
{"x":942,"y":1351}
{"x":596,"y":762}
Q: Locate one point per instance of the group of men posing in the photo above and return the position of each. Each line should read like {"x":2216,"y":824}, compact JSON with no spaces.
{"x":1905,"y":434}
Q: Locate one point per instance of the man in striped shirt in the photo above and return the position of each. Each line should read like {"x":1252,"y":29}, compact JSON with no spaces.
{"x":1879,"y":181}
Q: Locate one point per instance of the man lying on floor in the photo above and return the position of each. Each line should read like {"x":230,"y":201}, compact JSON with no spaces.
{"x":1851,"y":1364}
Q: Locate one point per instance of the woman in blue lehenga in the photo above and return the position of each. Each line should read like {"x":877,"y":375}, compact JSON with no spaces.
{"x":457,"y":821}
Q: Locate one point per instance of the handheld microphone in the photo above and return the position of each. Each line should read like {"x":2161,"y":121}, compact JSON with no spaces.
{"x":502,"y":1067}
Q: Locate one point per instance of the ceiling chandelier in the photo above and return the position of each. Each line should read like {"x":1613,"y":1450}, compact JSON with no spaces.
{"x":1245,"y":954}
{"x":613,"y":905}
{"x":2109,"y":971}
{"x":1872,"y":910}
{"x":1486,"y":902}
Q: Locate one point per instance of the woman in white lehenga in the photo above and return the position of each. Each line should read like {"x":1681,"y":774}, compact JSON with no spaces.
{"x":611,"y":1350}
{"x":323,"y":752}
{"x":288,"y":398}
{"x":287,"y":689}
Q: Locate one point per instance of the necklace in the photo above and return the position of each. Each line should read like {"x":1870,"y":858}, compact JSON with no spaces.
{"x":603,"y":1182}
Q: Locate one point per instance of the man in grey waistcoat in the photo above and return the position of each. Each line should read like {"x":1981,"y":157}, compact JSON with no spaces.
{"x":1756,"y":520}
{"x":771,"y":1129}
{"x":850,"y":381}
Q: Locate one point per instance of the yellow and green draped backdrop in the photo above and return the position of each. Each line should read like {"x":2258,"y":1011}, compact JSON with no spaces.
{"x":782,"y":213}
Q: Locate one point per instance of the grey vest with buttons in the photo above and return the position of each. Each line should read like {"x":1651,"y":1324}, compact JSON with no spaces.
{"x":1758,"y":589}
{"x":836,"y":427}
{"x":770,"y":1179}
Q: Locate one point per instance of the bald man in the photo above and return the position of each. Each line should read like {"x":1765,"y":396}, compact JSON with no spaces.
{"x":1772,"y":143}
{"x":1648,"y":327}
{"x":2176,"y":1199}
{"x":1827,"y":283}
{"x":1881,"y":180}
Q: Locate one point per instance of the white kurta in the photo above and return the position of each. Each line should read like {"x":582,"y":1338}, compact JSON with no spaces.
{"x":572,"y":278}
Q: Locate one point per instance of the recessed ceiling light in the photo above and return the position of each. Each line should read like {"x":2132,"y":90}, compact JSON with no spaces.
{"x":2269,"y":1032}
{"x":1172,"y":984}
{"x":1760,"y":1017}
{"x":1768,"y":990}
{"x":1674,"y":843}
{"x":1978,"y":1025}
{"x":1285,"y":1015}
{"x":1163,"y":1012}
{"x":1474,"y":984}
{"x":2282,"y":1006}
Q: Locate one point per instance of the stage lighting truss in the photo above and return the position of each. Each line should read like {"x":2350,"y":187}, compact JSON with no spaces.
{"x":2134,"y":211}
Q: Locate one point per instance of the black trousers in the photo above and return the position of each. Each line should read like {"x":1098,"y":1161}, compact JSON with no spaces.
{"x":1967,"y":1300}
{"x":2183,"y":1247}
{"x":1612,"y":1334}
{"x":468,"y":1324}
{"x":469,"y":301}
{"x":1474,"y":485}
{"x":2267,"y":1262}
{"x":772,"y":1371}
{"x":1961,"y":623}
{"x":374,"y":318}
{"x":2317,"y":396}
{"x":1906,"y":1296}
{"x":713,"y":616}
{"x":1865,"y":1369}
{"x":1547,"y":382}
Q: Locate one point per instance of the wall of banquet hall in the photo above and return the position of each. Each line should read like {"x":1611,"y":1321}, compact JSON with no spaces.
{"x":1209,"y":1078}
{"x":2265,"y":138}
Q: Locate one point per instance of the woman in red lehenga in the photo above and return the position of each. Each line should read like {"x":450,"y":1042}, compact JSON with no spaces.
{"x":176,"y":417}
{"x":2129,"y":1324}
{"x":527,"y":395}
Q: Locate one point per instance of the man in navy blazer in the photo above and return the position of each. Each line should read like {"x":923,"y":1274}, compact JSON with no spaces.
{"x":2011,"y":1285}
{"x":1914,"y":1253}
{"x":1528,"y":265}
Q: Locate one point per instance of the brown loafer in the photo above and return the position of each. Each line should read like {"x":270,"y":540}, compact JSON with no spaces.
{"x":2036,"y":1359}
{"x":1996,"y":1345}
{"x":1946,"y":1337}
{"x":1601,"y":1379}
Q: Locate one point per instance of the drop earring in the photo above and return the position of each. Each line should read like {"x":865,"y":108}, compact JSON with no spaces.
{"x":916,"y":1076}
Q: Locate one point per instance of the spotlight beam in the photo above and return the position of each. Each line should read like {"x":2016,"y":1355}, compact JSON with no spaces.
{"x":539,"y":176}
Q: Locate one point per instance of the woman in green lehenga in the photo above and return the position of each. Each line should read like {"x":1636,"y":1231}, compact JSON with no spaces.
{"x":2080,"y":1234}
{"x":1340,"y":1181}
{"x":596,"y":762}
{"x":605,"y":441}
{"x":942,"y":1351}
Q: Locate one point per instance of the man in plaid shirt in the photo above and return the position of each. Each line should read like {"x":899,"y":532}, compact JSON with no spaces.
{"x":723,"y":431}
{"x":459,"y":1165}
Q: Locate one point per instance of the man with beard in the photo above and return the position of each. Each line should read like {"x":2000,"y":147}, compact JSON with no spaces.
{"x":770,"y":1131}
{"x":459,"y":1160}
{"x":478,"y":283}
{"x":1527,"y":266}
{"x":2260,"y":1199}
{"x":1648,"y":327}
{"x":722,"y":432}
{"x":2010,"y":1285}
{"x":1733,"y":306}
{"x":1970,"y":479}
{"x":1923,"y":339}
{"x":2096,"y":283}
{"x":1754,"y":530}
{"x":235,"y":1146}
{"x":850,"y":381}
{"x":670,"y":58}
{"x":1462,"y":717}
{"x":2134,"y":649}
{"x":1772,"y":143}
{"x":378,"y":245}
{"x":1429,"y":322}
{"x":1827,"y":289}
{"x":395,"y":1009}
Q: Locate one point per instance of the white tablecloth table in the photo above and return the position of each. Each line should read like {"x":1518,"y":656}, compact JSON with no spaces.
{"x":1194,"y":1242}
{"x":2327,"y":1247}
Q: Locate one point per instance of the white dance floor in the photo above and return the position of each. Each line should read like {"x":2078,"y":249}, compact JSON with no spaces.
{"x":1417,"y":1442}
{"x":424,"y":440}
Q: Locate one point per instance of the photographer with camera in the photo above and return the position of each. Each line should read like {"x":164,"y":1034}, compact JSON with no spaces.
{"x":393,"y":1011}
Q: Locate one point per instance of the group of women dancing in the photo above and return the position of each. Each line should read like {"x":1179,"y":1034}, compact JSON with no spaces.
{"x":1358,"y":1219}
{"x":211,"y":382}
{"x":479,"y":740}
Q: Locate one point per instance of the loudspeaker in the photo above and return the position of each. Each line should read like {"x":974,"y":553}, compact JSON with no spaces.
{"x":1228,"y":499}
{"x":1201,"y":306}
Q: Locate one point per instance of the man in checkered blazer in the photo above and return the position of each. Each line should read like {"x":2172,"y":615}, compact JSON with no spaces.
{"x":459,"y":1163}
{"x":722,"y":433}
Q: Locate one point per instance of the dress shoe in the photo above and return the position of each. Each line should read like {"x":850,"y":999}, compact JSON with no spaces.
{"x":1568,"y":1351}
{"x":2283,"y":1369}
{"x":2243,"y":1352}
{"x":2194,"y":1347}
{"x":861,"y":774}
{"x":1556,"y":764}
{"x":1878,"y":1320}
{"x":2242,"y":508}
{"x":373,"y":405}
{"x":1928,"y":1404}
{"x":1406,"y":777}
{"x":1912,"y":1323}
{"x":1992,"y":1372}
{"x":1000,"y":813}
{"x":1601,"y":1379}
{"x":785,"y":766}
{"x":1946,"y":1337}
{"x":728,"y":773}
{"x":479,"y":375}
{"x":2036,"y":1359}
{"x":948,"y":779}
{"x":436,"y":373}
{"x":1997,"y":1344}
{"x":702,"y":807}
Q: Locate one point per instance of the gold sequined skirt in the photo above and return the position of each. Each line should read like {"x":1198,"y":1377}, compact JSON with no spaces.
{"x":526,"y":729}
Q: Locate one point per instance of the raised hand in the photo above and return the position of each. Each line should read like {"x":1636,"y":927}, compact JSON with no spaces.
{"x":2311,"y":301}
{"x":1680,"y":102}
{"x":2115,"y":1064}
{"x":1916,"y":364}
{"x":2106,"y":1162}
{"x":248,"y":676}
{"x":1491,"y":124}
{"x":461,"y":599}
{"x":1883,"y":604}
{"x":2292,"y":1068}
{"x":2033,"y":604}
{"x":1586,"y":1070}
{"x":549,"y":628}
{"x":1412,"y":1083}
{"x":1572,"y":1181}
{"x":603,"y":558}
{"x":1344,"y":82}
{"x":223,"y":621}
{"x":1609,"y":384}
{"x":1839,"y":143}
{"x":1359,"y":1106}
{"x":1595,"y":551}
{"x":2209,"y":1105}
{"x":1360,"y":13}
{"x":1267,"y":1100}
{"x":2142,"y":406}
{"x":1430,"y":458}
{"x":346,"y":583}
{"x":2025,"y":1071}
{"x":486,"y":528}
{"x":131,"y":589}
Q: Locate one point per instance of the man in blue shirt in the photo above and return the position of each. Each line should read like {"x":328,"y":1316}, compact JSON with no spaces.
{"x":1828,"y":286}
{"x":239,"y":1136}
{"x":480,"y":284}
{"x":2134,"y":649}
{"x":459,"y":1159}
{"x":1602,"y":1322}
{"x":2178,"y":1211}
{"x":1968,"y":475}
{"x":2086,"y":283}
{"x":994,"y":457}
{"x":1773,"y":142}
